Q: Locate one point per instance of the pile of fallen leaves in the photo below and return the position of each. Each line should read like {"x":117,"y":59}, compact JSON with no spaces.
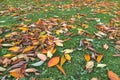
{"x":28,"y":43}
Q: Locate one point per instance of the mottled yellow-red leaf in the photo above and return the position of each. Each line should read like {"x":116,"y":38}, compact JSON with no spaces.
{"x":62,"y":60}
{"x":61,"y":69}
{"x":112,"y":75}
{"x":99,"y":57}
{"x":17,"y":73}
{"x":87,"y":57}
{"x":1,"y":40}
{"x":14,"y":49}
{"x":29,"y":48}
{"x":67,"y":56}
{"x":54,"y":61}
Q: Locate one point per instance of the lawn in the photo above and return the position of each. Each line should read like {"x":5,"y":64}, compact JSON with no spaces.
{"x":85,"y":26}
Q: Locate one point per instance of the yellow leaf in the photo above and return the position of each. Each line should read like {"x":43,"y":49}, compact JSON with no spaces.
{"x":99,"y":57}
{"x":23,"y":29}
{"x":87,"y":57}
{"x":67,"y":56}
{"x":61,"y":69}
{"x":54,"y":61}
{"x":112,"y":75}
{"x":62,"y":60}
{"x":9,"y":55}
{"x":14,"y":49}
{"x":28,"y":48}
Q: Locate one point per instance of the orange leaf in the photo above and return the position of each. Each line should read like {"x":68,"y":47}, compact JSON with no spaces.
{"x":1,"y":40}
{"x":61,"y":69}
{"x":87,"y":57}
{"x":44,"y":51}
{"x":54,"y":61}
{"x":17,"y":73}
{"x":99,"y":57}
{"x":113,"y":76}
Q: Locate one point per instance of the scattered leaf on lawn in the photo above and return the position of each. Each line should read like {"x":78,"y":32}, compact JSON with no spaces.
{"x":14,"y":49}
{"x":89,"y":66}
{"x":62,"y":60}
{"x":117,"y":47}
{"x":101,"y":65}
{"x":2,"y":69}
{"x":61,"y":69}
{"x":17,"y":73}
{"x":53,"y":61}
{"x":6,"y":45}
{"x":112,"y":75}
{"x":39,"y":63}
{"x":31,"y":70}
{"x":118,"y":42}
{"x":9,"y":55}
{"x":87,"y":57}
{"x":116,"y":55}
{"x":94,"y":78}
{"x":67,"y":56}
{"x":28,"y":48}
{"x":41,"y":56}
{"x":68,"y":50}
{"x":105,"y":46}
{"x":99,"y":57}
{"x":49,"y":54}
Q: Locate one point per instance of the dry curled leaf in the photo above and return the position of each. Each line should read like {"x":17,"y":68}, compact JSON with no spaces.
{"x":87,"y":57}
{"x":61,"y":69}
{"x":99,"y":57}
{"x":53,"y":61}
{"x":112,"y":75}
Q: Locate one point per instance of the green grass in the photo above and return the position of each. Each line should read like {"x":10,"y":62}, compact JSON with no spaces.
{"x":76,"y":69}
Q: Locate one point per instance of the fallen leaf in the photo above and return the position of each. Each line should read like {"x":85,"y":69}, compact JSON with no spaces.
{"x":99,"y":57}
{"x":14,"y":49}
{"x":31,"y":70}
{"x":41,"y":56}
{"x":89,"y":66}
{"x":68,"y":50}
{"x":39,"y":63}
{"x":53,"y":61}
{"x":116,"y":55}
{"x":17,"y":73}
{"x":28,"y":48}
{"x":117,"y":47}
{"x":112,"y":75}
{"x":62,"y":60}
{"x":2,"y":69}
{"x":105,"y":46}
{"x":94,"y":78}
{"x":87,"y":57}
{"x":67,"y":56}
{"x":49,"y":54}
{"x":101,"y":65}
{"x":9,"y":55}
{"x":61,"y":69}
{"x":118,"y":42}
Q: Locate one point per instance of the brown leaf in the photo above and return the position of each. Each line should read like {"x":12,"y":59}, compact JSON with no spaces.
{"x":99,"y":57}
{"x":118,"y":42}
{"x":112,"y":75}
{"x":87,"y":57}
{"x":61,"y":69}
{"x":54,"y":61}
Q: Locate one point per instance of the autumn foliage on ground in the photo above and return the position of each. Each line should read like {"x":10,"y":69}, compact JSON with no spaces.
{"x":32,"y":45}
